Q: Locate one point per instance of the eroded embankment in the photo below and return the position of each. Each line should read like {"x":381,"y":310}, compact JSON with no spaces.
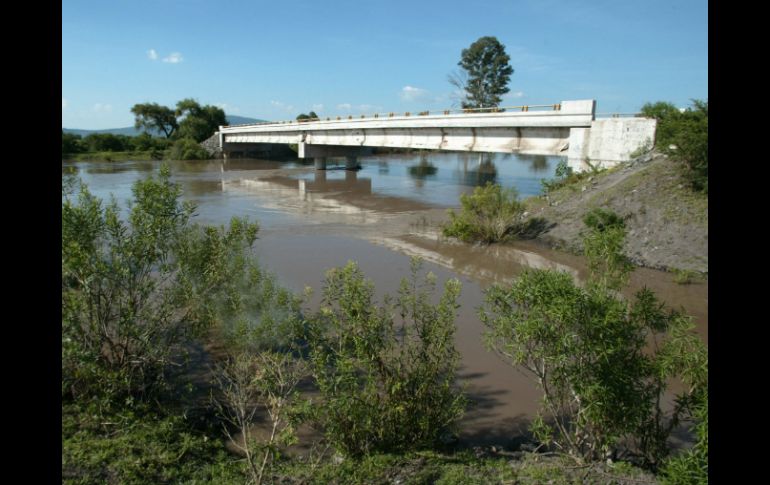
{"x":667,"y":222}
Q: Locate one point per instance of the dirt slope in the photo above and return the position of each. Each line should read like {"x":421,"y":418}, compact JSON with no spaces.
{"x":667,"y":223}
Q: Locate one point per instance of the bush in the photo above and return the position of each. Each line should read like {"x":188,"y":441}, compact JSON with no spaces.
{"x":386,"y":373}
{"x":684,"y":136}
{"x":134,"y":290}
{"x":565,"y":176}
{"x":490,"y":214}
{"x":108,"y":142}
{"x":188,"y":149}
{"x":589,"y":351}
{"x":692,"y":466}
{"x":71,"y":144}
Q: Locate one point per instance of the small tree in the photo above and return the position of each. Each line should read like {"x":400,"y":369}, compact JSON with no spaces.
{"x":486,"y":73}
{"x":251,"y":382}
{"x":386,"y":373}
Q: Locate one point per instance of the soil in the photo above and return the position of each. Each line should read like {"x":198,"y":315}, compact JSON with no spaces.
{"x":666,"y":221}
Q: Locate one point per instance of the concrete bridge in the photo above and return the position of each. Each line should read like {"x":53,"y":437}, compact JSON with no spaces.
{"x":568,"y":128}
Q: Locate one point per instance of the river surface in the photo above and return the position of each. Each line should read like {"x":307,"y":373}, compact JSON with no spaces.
{"x":379,"y":216}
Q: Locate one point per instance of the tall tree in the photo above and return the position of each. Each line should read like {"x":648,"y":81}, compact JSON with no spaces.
{"x":486,"y":73}
{"x":152,"y":116}
{"x":198,"y":122}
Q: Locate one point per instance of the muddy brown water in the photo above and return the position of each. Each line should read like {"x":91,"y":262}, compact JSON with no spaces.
{"x":379,"y":217}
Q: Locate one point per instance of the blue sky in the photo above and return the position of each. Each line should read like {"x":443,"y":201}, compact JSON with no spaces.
{"x":276,"y":59}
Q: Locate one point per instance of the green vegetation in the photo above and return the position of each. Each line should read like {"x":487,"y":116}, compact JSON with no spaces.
{"x":154,"y":117}
{"x":588,"y":350}
{"x":187,"y":149}
{"x":490,"y":214}
{"x":307,"y":117}
{"x":386,"y":373}
{"x":108,"y":146}
{"x":198,"y":122}
{"x":684,"y":137}
{"x":485,"y":73}
{"x":566,"y":177}
{"x":142,"y":285}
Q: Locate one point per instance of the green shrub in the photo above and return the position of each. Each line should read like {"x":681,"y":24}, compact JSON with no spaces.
{"x":490,"y":214}
{"x":386,"y":373}
{"x":188,"y":149}
{"x":565,"y":176}
{"x":691,"y":466}
{"x":133,"y":290}
{"x":587,"y":348}
{"x":684,"y":136}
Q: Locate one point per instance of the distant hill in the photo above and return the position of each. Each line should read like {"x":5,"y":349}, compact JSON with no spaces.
{"x":131,"y":131}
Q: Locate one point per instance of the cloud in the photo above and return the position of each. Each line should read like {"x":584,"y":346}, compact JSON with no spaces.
{"x":173,"y":58}
{"x":359,"y":108}
{"x":227,"y":108}
{"x":63,"y":104}
{"x":152,"y":55}
{"x":102,"y":108}
{"x":411,"y":93}
{"x":279,"y":104}
{"x":513,"y":95}
{"x":318,"y":107}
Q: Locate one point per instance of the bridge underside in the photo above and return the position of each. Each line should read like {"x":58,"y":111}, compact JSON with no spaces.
{"x":330,"y":143}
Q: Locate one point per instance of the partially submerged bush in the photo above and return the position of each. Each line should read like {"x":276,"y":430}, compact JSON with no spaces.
{"x":386,"y":373}
{"x":134,"y":290}
{"x":587,"y":348}
{"x":491,"y":214}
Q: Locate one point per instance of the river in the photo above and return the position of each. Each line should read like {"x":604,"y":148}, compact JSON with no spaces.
{"x":379,"y":216}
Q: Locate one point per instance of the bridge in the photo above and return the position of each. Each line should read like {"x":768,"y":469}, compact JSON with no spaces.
{"x":569,"y":128}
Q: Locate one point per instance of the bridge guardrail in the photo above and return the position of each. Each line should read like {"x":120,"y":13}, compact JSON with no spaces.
{"x":391,"y":114}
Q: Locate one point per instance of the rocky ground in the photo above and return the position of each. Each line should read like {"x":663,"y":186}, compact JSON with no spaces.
{"x":667,"y":222}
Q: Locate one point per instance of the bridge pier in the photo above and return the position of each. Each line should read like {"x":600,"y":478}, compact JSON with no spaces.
{"x":351,"y":163}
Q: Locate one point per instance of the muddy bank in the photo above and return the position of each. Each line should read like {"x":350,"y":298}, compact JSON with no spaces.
{"x":667,"y":223}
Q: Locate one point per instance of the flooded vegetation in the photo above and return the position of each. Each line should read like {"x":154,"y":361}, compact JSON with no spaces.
{"x":380,"y":217}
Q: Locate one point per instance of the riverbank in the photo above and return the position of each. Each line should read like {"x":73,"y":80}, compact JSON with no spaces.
{"x":138,"y":156}
{"x":666,"y":222}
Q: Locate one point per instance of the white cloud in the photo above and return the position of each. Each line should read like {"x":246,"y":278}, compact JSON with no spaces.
{"x":513,"y":95}
{"x":173,"y":58}
{"x":227,"y":108}
{"x":286,"y":107}
{"x":152,"y":54}
{"x":318,"y":107}
{"x":344,"y":107}
{"x":411,"y":93}
{"x":102,"y":108}
{"x":63,"y":104}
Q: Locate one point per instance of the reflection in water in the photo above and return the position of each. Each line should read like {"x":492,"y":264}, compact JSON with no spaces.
{"x":537,"y":163}
{"x":383,"y":167}
{"x":477,"y":169}
{"x":422,"y":170}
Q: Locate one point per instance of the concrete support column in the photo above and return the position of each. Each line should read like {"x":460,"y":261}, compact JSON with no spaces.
{"x":351,"y":163}
{"x":320,"y":163}
{"x":578,"y":148}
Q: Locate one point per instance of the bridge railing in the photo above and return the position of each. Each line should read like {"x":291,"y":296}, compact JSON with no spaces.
{"x":392,"y":114}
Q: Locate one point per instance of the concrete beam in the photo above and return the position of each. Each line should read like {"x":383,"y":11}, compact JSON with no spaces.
{"x":307,"y":150}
